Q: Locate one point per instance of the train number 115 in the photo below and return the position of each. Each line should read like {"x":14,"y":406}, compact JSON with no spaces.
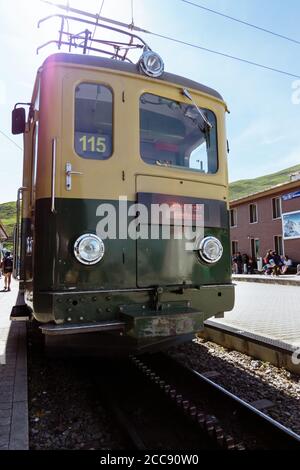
{"x":93,"y":144}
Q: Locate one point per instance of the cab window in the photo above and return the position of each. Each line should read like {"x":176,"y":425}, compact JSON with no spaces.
{"x":174,"y":134}
{"x":93,"y":121}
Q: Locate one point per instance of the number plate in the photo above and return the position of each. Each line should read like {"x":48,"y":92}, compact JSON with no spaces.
{"x":96,"y":146}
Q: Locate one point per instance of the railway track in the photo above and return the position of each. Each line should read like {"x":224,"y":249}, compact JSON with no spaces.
{"x":145,"y":415}
{"x":160,"y":404}
{"x":229,"y":421}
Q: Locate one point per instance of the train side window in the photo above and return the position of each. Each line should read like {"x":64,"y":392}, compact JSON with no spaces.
{"x":93,"y":121}
{"x":174,"y":134}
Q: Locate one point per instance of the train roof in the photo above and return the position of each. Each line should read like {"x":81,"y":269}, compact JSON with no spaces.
{"x":114,"y":64}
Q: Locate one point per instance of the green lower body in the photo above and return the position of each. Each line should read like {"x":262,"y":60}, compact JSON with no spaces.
{"x":155,"y":288}
{"x":145,"y":313}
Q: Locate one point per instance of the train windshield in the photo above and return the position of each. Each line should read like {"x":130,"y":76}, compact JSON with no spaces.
{"x":173,"y":134}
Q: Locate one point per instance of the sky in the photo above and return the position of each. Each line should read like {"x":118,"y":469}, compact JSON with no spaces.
{"x":263,"y":126}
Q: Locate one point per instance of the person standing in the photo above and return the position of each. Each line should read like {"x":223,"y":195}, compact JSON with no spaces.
{"x":250,"y":266}
{"x":234,"y":264}
{"x":7,"y":268}
{"x":245,"y":258}
{"x":239,"y":261}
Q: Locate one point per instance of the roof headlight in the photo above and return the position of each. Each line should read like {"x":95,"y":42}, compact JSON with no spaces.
{"x":210,"y":250}
{"x":89,"y":249}
{"x":151,"y":64}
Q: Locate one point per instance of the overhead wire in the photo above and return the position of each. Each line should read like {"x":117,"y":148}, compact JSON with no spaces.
{"x":223,"y":54}
{"x":132,"y":14}
{"x":5,"y":135}
{"x":246,"y":23}
{"x":95,"y":27}
{"x":195,"y":46}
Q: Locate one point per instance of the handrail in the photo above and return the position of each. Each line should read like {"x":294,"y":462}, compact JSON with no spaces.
{"x":17,"y":233}
{"x":53,"y":175}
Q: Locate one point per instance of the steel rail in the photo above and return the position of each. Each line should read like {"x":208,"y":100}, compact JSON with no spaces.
{"x":250,"y":419}
{"x":280,"y":428}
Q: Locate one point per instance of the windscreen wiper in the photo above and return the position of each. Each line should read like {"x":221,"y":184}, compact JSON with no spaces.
{"x":187,"y":94}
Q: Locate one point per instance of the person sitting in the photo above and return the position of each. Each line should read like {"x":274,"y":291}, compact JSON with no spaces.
{"x":287,"y":262}
{"x":267,"y":267}
{"x":277,"y":263}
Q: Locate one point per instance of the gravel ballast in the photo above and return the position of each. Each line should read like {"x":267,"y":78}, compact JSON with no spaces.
{"x":246,"y":377}
{"x":67,"y":412}
{"x":64,"y":409}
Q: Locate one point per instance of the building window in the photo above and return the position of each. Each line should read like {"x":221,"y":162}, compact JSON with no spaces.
{"x":234,"y":247}
{"x":276,"y":207}
{"x":233,"y":217}
{"x":278,"y":244}
{"x":254,"y":246}
{"x":253,"y":213}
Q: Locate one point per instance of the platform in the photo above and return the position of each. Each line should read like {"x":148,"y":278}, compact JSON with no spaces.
{"x":265,"y":323}
{"x":13,"y":376}
{"x":283,"y":279}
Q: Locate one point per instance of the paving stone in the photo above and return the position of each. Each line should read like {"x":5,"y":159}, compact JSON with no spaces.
{"x":270,"y":311}
{"x":13,"y":377}
{"x":9,"y":372}
{"x":20,"y":388}
{"x":5,"y":421}
{"x":6,"y":398}
{"x":6,"y":388}
{"x":5,"y":405}
{"x":4,"y":430}
{"x":5,"y":413}
{"x":4,"y":441}
{"x":7,"y":381}
{"x":19,"y":427}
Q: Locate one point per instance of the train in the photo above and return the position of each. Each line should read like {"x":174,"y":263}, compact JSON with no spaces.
{"x":122,"y":237}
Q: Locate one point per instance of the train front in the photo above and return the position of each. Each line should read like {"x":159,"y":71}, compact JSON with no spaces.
{"x":131,"y":236}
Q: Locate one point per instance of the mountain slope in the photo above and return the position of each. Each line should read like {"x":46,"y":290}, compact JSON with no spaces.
{"x":242,"y":188}
{"x":8,"y":216}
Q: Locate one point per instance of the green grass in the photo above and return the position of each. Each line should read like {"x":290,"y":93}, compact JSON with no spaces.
{"x":242,"y":188}
{"x":8,"y":216}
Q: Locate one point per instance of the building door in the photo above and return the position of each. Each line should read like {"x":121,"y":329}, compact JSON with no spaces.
{"x":254,"y":248}
{"x":234,"y":247}
{"x":278,"y":245}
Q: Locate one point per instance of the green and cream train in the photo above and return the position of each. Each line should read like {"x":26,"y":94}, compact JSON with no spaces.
{"x":101,"y":133}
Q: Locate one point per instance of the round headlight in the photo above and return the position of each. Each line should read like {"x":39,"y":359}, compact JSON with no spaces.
{"x":211,"y":250}
{"x":151,"y":64}
{"x":89,"y":249}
